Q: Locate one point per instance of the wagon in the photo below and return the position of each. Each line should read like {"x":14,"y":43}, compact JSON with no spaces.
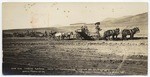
{"x":82,"y":35}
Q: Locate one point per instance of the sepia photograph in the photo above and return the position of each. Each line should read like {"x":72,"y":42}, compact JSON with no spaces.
{"x":75,"y":38}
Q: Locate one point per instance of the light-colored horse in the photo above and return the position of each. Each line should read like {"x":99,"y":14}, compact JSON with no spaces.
{"x":59,"y":36}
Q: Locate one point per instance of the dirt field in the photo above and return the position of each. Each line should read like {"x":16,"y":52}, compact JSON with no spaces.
{"x":98,"y":57}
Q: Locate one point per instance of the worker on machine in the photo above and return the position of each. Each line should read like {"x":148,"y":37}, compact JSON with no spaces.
{"x":97,"y":27}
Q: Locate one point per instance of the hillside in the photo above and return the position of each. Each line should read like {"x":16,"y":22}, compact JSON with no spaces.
{"x":139,"y":20}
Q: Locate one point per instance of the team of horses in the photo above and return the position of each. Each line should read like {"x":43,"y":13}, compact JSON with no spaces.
{"x":125,"y":32}
{"x":66,"y":35}
{"x":108,"y":35}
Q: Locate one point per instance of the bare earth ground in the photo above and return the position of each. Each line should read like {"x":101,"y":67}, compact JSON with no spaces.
{"x":100,"y":57}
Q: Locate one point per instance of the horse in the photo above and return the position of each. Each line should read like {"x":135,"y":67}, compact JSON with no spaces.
{"x":19,"y":34}
{"x":130,"y":32}
{"x":52,"y":34}
{"x":59,"y":36}
{"x":114,"y":33}
{"x":68,"y":35}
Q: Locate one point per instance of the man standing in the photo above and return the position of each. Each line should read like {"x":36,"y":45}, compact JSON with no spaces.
{"x":86,"y":30}
{"x":98,"y":29}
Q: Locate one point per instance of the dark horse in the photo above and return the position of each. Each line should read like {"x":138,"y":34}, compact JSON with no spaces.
{"x":130,"y":32}
{"x":52,"y":34}
{"x":67,"y":35}
{"x":114,"y":33}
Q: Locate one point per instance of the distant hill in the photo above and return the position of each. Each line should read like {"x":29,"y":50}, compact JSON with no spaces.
{"x":139,"y":20}
{"x":34,"y":29}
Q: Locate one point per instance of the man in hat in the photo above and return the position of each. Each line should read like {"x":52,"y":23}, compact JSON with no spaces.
{"x":98,"y":29}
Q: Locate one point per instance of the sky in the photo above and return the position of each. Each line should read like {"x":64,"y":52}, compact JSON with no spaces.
{"x":37,"y":15}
